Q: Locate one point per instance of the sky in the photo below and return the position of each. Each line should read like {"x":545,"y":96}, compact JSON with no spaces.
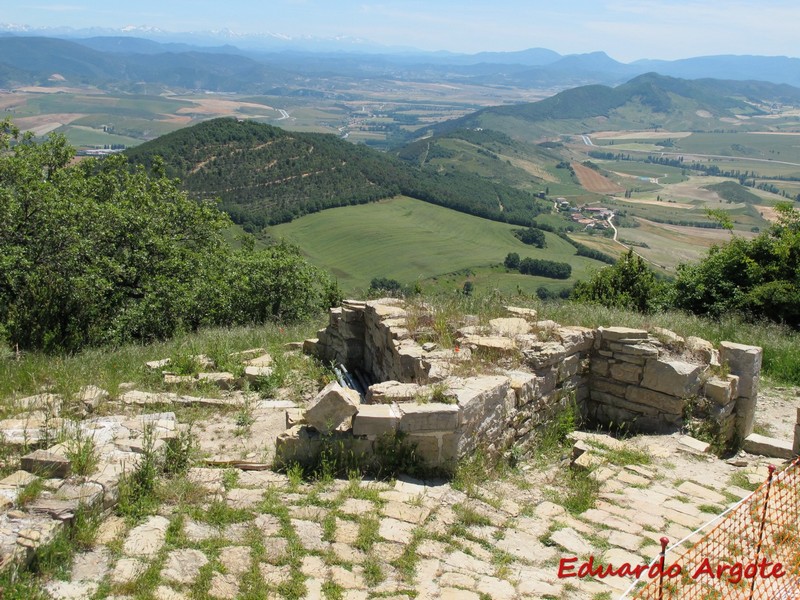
{"x":626,"y":29}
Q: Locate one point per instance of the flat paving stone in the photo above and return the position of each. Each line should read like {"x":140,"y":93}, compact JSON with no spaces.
{"x":396,"y":531}
{"x":146,"y":539}
{"x":127,"y":570}
{"x":703,"y":493}
{"x":310,"y":534}
{"x":235,"y":559}
{"x":224,"y":586}
{"x":183,"y":566}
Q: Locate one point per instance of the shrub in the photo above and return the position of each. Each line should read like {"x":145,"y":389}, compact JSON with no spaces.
{"x":97,"y":253}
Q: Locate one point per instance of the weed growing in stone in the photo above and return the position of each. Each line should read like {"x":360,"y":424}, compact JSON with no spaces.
{"x":82,"y":453}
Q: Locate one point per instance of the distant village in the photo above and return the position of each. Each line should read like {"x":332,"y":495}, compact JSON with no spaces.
{"x":591,"y":217}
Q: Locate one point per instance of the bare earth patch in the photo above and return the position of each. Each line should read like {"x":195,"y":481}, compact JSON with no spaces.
{"x":594,"y":181}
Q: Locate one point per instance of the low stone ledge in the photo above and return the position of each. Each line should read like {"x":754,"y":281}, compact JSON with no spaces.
{"x":376,"y":419}
{"x":428,"y":417}
{"x":613,"y":334}
{"x":767,"y":446}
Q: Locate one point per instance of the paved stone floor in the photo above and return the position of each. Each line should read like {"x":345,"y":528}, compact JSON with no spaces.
{"x":230,"y":533}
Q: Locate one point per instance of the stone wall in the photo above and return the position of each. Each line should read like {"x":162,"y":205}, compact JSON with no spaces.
{"x":507,"y":377}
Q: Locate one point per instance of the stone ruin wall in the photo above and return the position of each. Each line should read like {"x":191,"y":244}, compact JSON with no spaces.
{"x":619,"y":377}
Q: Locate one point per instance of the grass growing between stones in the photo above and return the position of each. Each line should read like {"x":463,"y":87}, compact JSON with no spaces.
{"x":51,"y":561}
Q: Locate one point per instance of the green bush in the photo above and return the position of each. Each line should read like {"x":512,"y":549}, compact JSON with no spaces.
{"x":97,"y":253}
{"x":627,"y":284}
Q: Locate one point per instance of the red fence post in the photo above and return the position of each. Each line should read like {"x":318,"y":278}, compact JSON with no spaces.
{"x":761,"y":528}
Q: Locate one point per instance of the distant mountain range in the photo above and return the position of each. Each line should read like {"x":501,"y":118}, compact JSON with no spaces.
{"x":645,"y":102}
{"x":221,"y":61}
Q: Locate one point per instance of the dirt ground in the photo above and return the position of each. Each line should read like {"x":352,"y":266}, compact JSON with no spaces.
{"x":594,"y":181}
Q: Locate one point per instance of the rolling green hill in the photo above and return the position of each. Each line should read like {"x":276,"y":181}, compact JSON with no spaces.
{"x":265,"y":175}
{"x":647,"y":101}
{"x":413,"y":241}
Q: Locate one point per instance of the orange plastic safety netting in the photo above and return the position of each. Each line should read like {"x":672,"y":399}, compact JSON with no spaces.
{"x":752,"y":553}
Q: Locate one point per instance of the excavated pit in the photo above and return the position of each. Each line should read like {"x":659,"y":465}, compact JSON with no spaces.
{"x":503,"y":380}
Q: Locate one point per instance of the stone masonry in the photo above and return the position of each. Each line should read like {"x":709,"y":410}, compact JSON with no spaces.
{"x":618,"y":377}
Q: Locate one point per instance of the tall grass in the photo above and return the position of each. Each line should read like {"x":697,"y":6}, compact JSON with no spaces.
{"x":33,"y":372}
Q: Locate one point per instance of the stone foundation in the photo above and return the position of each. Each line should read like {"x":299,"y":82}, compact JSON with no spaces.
{"x":506,"y":378}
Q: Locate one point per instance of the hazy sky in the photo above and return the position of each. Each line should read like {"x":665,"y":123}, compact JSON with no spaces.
{"x":626,"y":29}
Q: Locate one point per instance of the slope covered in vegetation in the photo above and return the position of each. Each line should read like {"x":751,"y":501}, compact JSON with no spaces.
{"x":265,"y":175}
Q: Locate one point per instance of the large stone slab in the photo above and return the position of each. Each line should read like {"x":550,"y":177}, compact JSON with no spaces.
{"x":146,"y":540}
{"x":510,"y":327}
{"x":332,"y":407}
{"x":428,"y":417}
{"x":376,"y":419}
{"x":46,"y":464}
{"x":613,"y":334}
{"x":672,"y":377}
{"x":767,"y":446}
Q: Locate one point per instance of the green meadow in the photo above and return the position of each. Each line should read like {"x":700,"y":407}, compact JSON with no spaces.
{"x":413,"y":241}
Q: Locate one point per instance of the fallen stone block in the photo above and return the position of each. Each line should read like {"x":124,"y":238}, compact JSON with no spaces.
{"x":332,"y":407}
{"x":526,"y":313}
{"x":510,"y":326}
{"x":694,"y":445}
{"x":254,"y":373}
{"x":248,"y":354}
{"x":46,"y":464}
{"x":767,"y":446}
{"x":158,"y":364}
{"x":223,"y":380}
{"x":262,"y":360}
{"x":375,"y":419}
{"x":91,"y":396}
{"x":669,"y":337}
{"x":173,"y":379}
{"x":700,"y":348}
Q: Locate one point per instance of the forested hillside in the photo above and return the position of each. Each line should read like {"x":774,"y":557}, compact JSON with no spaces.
{"x":264,"y":175}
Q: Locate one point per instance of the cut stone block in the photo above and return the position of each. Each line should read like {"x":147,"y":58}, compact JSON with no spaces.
{"x":46,"y":464}
{"x":489,"y":344}
{"x":263,"y":360}
{"x":223,"y":380}
{"x":767,"y":446}
{"x":545,"y":354}
{"x":375,"y":419}
{"x":510,"y":327}
{"x":91,"y":396}
{"x":613,"y":334}
{"x":526,"y":313}
{"x":332,"y":407}
{"x":702,"y":349}
{"x":744,"y":361}
{"x":254,"y":373}
{"x":428,"y":417}
{"x":694,"y":444}
{"x":675,"y":377}
{"x":158,"y":364}
{"x":721,"y":391}
{"x":392,"y":391}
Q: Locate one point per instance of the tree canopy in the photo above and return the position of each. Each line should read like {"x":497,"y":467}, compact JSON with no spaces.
{"x":98,"y":253}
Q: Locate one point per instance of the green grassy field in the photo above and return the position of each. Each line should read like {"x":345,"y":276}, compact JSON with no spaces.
{"x":410,"y":240}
